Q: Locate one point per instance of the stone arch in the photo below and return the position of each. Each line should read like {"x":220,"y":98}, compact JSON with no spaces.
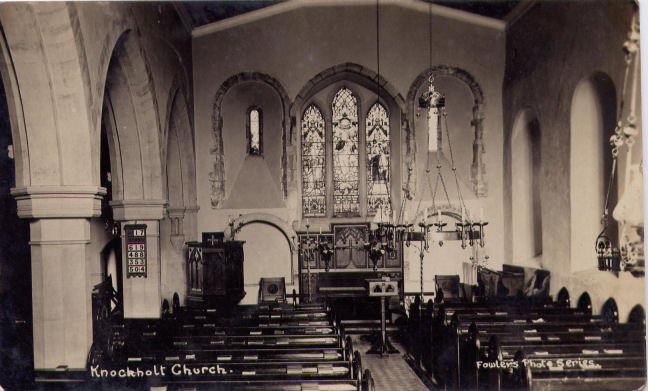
{"x":217,"y":174}
{"x":134,"y":136}
{"x":16,"y":115}
{"x":478,"y":167}
{"x":357,"y":76}
{"x":54,"y":111}
{"x":266,"y":218}
{"x":286,"y":230}
{"x":349,"y":71}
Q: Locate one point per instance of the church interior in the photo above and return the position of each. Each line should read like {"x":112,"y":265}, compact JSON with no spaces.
{"x":321,"y":195}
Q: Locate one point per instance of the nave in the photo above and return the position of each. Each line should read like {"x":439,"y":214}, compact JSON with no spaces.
{"x":297,"y":179}
{"x":466,"y":338}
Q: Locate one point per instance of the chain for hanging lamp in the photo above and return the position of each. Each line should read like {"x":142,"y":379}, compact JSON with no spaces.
{"x":609,"y":256}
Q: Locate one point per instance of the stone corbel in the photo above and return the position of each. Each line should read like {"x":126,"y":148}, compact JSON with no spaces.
{"x":176,"y":216}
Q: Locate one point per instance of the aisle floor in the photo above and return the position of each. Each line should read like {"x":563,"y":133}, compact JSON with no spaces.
{"x":390,"y":372}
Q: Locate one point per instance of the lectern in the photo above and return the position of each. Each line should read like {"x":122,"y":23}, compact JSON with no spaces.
{"x":382,"y":288}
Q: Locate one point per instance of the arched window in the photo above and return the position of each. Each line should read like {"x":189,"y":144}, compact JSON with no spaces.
{"x":254,"y":131}
{"x":313,"y":151}
{"x":378,"y":160}
{"x":346,"y":155}
{"x":346,"y":191}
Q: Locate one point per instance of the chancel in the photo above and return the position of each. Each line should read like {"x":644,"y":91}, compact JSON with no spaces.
{"x":321,"y":195}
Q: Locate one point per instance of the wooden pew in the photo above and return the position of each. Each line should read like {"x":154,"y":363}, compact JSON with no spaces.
{"x":539,"y":355}
{"x":455,"y":350}
{"x":248,"y":348}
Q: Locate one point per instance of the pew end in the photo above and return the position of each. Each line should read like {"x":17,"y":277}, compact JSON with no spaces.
{"x":367,"y":383}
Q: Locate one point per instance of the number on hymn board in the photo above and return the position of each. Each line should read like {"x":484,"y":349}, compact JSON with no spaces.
{"x":136,"y":250}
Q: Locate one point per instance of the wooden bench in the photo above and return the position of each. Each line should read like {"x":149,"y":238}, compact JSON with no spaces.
{"x":249,"y":348}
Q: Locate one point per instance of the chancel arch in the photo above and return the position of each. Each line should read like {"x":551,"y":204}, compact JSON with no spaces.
{"x":593,"y":117}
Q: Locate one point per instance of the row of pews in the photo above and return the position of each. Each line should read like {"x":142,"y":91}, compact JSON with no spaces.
{"x":262,"y":347}
{"x":518,"y":343}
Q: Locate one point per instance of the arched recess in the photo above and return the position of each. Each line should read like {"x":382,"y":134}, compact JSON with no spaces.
{"x":217,"y":174}
{"x":478,"y":166}
{"x":265,"y":254}
{"x":364,"y":84}
{"x":526,"y":189}
{"x":130,"y":116}
{"x":288,"y":232}
{"x":593,"y":113}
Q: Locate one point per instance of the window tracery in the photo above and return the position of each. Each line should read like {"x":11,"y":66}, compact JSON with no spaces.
{"x":356,"y":147}
{"x":313,"y":151}
{"x":378,"y":148}
{"x":346,"y":192}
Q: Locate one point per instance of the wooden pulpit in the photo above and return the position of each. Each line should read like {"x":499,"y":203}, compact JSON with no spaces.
{"x":215,"y":270}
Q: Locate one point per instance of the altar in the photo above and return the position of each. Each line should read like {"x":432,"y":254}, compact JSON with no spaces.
{"x":336,"y":264}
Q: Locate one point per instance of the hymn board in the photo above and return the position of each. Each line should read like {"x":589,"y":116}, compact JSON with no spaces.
{"x":135,"y":250}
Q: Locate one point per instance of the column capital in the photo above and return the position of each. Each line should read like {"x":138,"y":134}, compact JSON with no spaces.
{"x":138,"y":209}
{"x":51,"y":202}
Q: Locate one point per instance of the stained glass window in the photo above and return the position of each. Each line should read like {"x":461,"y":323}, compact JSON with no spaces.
{"x":346,"y":200}
{"x":313,"y":163}
{"x":378,"y":160}
{"x":254,"y":131}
